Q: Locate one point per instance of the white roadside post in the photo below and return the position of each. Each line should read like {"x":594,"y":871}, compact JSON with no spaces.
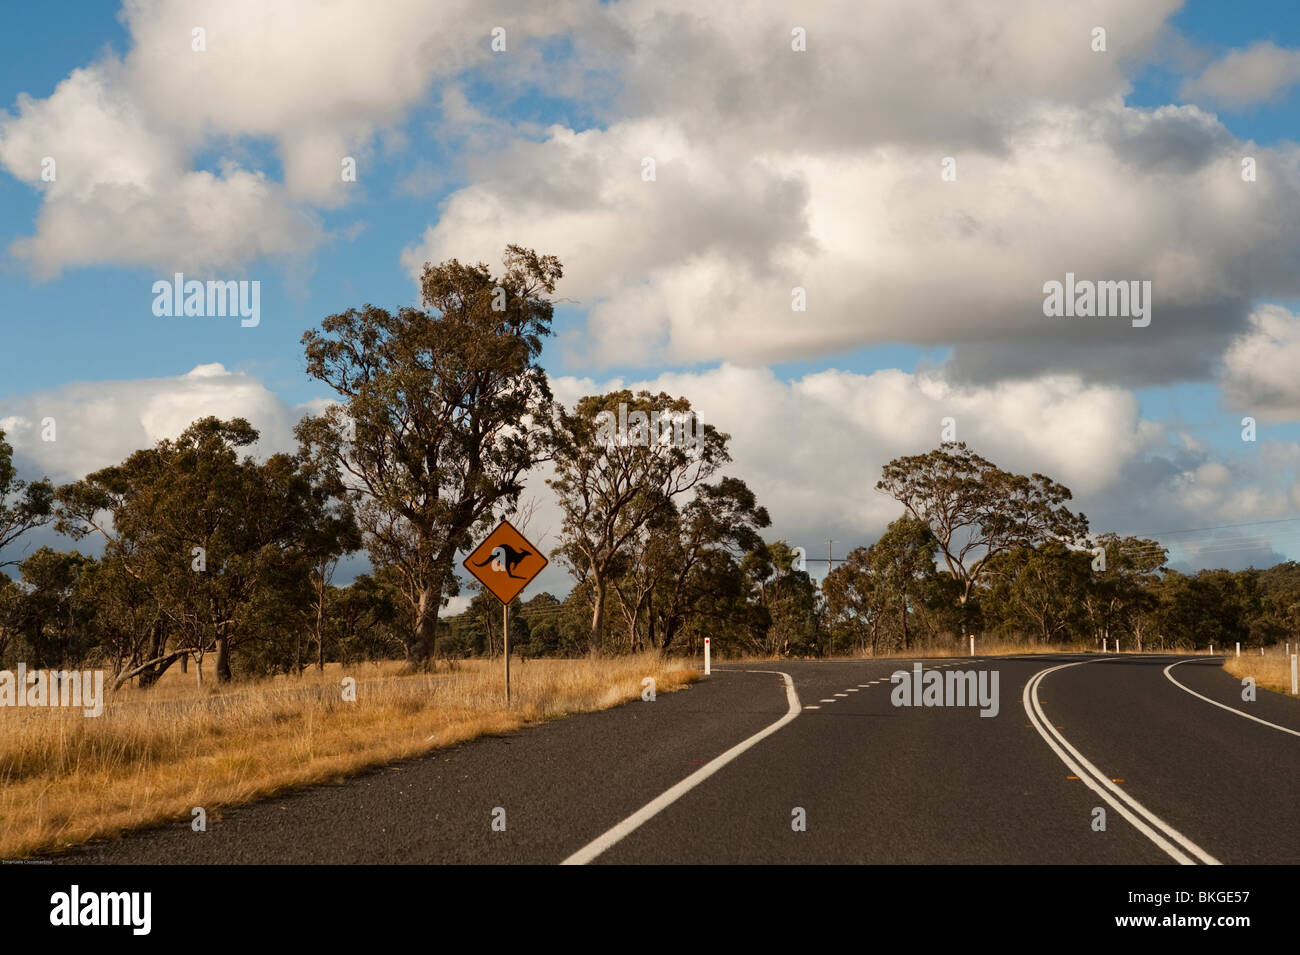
{"x":706,"y":656}
{"x":1294,"y":688}
{"x":1239,"y":648}
{"x":1103,"y":644}
{"x":1211,"y":649}
{"x":972,"y":644}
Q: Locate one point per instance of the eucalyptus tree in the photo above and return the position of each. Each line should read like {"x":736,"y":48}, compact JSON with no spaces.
{"x":441,"y":412}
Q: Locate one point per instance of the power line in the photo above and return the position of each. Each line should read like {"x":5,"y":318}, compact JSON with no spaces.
{"x":1220,"y":527}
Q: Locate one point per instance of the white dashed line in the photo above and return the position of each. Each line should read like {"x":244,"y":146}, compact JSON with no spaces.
{"x":841,"y":694}
{"x":810,"y":707}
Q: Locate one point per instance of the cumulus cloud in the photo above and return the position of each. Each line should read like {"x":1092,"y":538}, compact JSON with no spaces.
{"x":812,"y":448}
{"x":1257,"y":74}
{"x":776,"y":170}
{"x":1260,"y":368}
{"x":98,"y":424}
{"x":125,"y":132}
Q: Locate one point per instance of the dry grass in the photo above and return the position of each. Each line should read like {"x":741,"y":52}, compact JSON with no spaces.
{"x":153,"y":755}
{"x":1272,"y":671}
{"x":983,"y":648}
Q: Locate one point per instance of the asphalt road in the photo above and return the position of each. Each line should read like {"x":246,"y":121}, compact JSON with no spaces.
{"x":722,"y":772}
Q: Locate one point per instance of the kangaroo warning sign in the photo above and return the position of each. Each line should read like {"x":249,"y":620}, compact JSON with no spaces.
{"x":505,"y":562}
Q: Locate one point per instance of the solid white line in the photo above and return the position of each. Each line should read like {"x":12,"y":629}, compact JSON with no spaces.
{"x":1221,"y":706}
{"x":1091,"y":776}
{"x":661,"y":802}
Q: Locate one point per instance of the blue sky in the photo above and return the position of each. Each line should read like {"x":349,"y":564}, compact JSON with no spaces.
{"x":92,"y":323}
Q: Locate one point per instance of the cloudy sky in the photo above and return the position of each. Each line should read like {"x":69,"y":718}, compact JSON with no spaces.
{"x":820,"y":168}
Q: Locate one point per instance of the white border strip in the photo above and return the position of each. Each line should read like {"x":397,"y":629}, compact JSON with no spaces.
{"x":1099,"y":782}
{"x":661,"y":802}
{"x":1221,"y":706}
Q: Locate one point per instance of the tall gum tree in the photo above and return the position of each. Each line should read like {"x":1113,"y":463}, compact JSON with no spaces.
{"x":977,"y":510}
{"x":620,"y":460}
{"x":441,"y":413}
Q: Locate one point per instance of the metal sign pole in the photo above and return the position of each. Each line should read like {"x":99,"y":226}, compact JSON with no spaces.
{"x":505,"y":643}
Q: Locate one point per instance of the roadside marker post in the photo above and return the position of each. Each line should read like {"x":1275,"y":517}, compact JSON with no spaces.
{"x":706,"y":656}
{"x":505,"y":563}
{"x":1238,"y":648}
{"x":972,"y":644}
{"x":1103,"y":644}
{"x":1294,"y":688}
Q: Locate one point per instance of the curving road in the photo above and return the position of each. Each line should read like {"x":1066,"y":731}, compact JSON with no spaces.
{"x":721,"y":773}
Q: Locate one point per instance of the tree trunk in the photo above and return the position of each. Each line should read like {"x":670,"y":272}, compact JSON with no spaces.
{"x":320,"y":636}
{"x":902,"y":616}
{"x":156,"y":667}
{"x":150,"y":672}
{"x":598,"y":614}
{"x":320,"y":621}
{"x":223,"y":658}
{"x":426,"y":628}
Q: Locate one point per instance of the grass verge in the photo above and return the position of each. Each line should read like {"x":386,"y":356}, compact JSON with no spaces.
{"x":1272,"y":671}
{"x":153,"y":755}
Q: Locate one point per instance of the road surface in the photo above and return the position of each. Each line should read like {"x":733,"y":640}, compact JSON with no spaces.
{"x":727,"y":770}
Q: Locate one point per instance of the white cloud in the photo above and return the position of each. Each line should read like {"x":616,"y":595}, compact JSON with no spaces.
{"x":98,"y":424}
{"x":1257,"y":74}
{"x":821,"y":170}
{"x":318,"y":79}
{"x":812,"y":449}
{"x":1260,"y":368}
{"x":123,"y":192}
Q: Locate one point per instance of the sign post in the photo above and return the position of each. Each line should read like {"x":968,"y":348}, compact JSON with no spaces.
{"x":504,"y":564}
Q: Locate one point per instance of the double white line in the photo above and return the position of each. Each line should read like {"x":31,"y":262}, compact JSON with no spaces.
{"x":1174,"y":843}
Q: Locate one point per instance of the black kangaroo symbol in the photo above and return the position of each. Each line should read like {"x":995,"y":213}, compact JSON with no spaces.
{"x":512,"y":561}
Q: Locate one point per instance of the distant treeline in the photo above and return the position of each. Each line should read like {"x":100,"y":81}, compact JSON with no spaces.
{"x":442,"y":416}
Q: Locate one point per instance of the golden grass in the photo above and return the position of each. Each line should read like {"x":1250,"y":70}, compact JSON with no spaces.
{"x":1272,"y":671}
{"x":983,"y":648}
{"x":154,"y":755}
